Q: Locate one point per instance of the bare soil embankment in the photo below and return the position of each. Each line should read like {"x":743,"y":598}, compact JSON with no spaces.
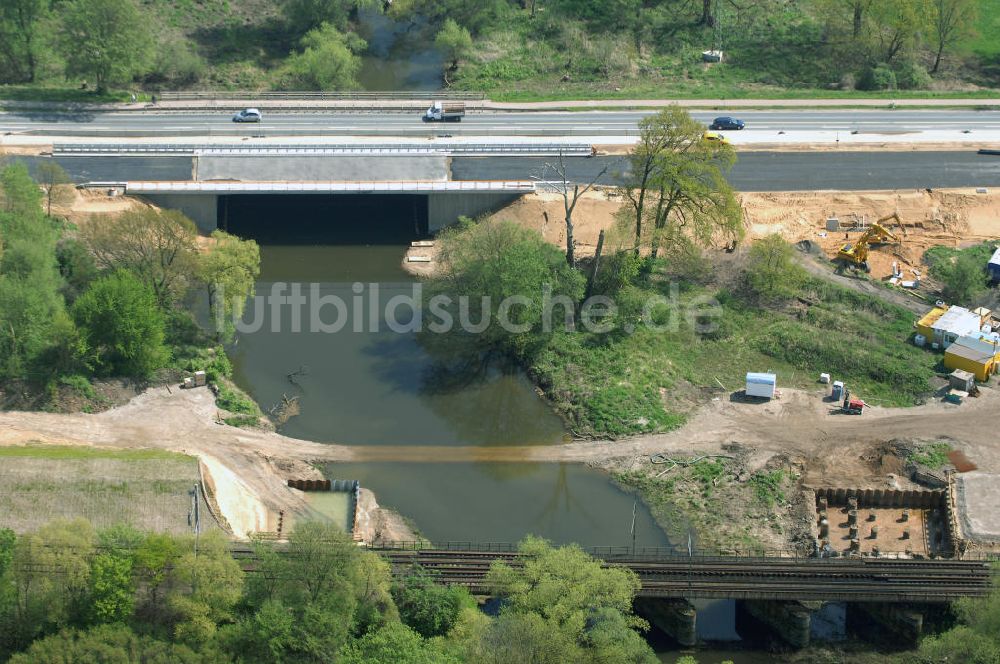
{"x":952,"y":217}
{"x":249,"y":469}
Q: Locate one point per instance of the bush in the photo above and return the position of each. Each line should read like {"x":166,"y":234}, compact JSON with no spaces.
{"x":879,"y":77}
{"x":771,"y":273}
{"x":912,"y":76}
{"x":964,"y":278}
{"x":122,"y":326}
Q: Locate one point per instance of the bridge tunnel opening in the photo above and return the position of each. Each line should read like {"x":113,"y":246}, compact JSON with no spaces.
{"x":348,"y":219}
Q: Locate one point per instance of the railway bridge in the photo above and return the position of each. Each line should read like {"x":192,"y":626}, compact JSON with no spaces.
{"x":779,"y":594}
{"x":665,"y":573}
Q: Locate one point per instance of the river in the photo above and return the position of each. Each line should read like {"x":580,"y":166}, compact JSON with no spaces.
{"x":379,"y":387}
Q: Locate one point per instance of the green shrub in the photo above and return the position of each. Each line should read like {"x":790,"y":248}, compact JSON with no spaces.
{"x":912,"y":76}
{"x":122,"y":325}
{"x":235,"y":401}
{"x":79,"y":383}
{"x":879,"y":77}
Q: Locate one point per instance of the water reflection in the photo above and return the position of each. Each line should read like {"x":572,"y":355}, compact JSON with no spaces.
{"x":400,"y":56}
{"x":500,"y":502}
{"x":374,"y":386}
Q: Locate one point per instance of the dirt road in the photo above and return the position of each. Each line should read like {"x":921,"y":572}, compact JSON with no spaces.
{"x":249,"y":468}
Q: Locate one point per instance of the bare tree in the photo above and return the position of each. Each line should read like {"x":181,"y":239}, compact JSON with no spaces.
{"x":953,"y":20}
{"x":571,"y":193}
{"x":53,"y":180}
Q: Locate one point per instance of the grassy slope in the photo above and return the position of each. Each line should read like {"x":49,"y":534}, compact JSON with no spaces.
{"x":242,"y":42}
{"x":145,"y":488}
{"x":647,"y":381}
{"x":781,"y":57}
{"x":986,"y":44}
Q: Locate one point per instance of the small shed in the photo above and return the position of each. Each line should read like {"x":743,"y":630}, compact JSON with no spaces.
{"x":761,"y":385}
{"x":993,"y":267}
{"x":978,"y":357}
{"x":961,"y":380}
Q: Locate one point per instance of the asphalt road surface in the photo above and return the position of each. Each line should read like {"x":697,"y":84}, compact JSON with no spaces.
{"x":755,"y":171}
{"x":781,"y":171}
{"x":760,"y":124}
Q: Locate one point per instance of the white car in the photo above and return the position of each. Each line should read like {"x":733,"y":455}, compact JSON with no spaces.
{"x":247,"y":115}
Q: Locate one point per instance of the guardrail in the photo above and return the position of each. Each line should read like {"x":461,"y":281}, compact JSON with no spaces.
{"x":209,"y":95}
{"x":457,"y":149}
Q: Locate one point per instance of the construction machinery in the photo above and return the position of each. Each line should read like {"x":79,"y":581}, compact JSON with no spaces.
{"x":856,"y":255}
{"x":852,"y":406}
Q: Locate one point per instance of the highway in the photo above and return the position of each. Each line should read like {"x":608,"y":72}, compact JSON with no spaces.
{"x":762,"y":126}
{"x":755,"y":171}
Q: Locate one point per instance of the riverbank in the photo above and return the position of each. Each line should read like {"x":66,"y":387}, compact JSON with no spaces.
{"x":831,"y":450}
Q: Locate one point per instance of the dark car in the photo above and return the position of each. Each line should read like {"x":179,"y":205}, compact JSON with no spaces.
{"x":726,"y":123}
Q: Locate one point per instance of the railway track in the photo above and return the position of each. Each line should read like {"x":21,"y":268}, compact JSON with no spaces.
{"x":713,"y":577}
{"x":802,"y":579}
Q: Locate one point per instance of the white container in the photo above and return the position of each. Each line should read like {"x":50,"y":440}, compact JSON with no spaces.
{"x":824,"y":378}
{"x":761,"y":385}
{"x":919,"y":340}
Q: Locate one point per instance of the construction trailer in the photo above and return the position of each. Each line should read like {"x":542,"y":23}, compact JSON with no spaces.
{"x":942,"y":325}
{"x":978,"y":355}
{"x":761,"y":385}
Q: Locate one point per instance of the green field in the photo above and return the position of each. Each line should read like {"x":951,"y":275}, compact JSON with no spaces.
{"x":73,"y":452}
{"x":145,"y":488}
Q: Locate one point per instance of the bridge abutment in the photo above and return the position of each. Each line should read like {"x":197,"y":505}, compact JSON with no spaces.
{"x":876,"y":620}
{"x":675,"y":617}
{"x":790,"y":621}
{"x":445,"y":209}
{"x":202,"y":209}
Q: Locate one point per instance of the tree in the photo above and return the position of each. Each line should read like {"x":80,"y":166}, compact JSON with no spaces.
{"x":53,"y":179}
{"x":229,"y":271}
{"x":328,"y":61}
{"x":563,"y":585}
{"x":205,"y":584}
{"x":323,"y":587}
{"x":953,"y":21}
{"x":52,"y":578}
{"x":306,"y":15}
{"x":429,"y":608}
{"x":112,"y":589}
{"x":570,"y":199}
{"x":676,"y":186}
{"x":111,"y":643}
{"x":33,"y":318}
{"x":454,"y":42}
{"x":893,"y":27}
{"x":771,"y":272}
{"x":474,"y":16}
{"x":583,"y":606}
{"x":491,"y":291}
{"x":122,"y":325}
{"x":107,"y":39}
{"x":22,"y":40}
{"x":158,"y":247}
{"x":393,"y":644}
{"x":964,"y":278}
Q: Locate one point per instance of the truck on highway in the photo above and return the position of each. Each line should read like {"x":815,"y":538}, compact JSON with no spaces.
{"x":445,"y":112}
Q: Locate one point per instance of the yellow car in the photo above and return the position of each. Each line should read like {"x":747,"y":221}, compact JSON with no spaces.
{"x":714,"y":136}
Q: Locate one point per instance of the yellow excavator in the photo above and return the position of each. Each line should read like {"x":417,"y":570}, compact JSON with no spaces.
{"x":856,"y":255}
